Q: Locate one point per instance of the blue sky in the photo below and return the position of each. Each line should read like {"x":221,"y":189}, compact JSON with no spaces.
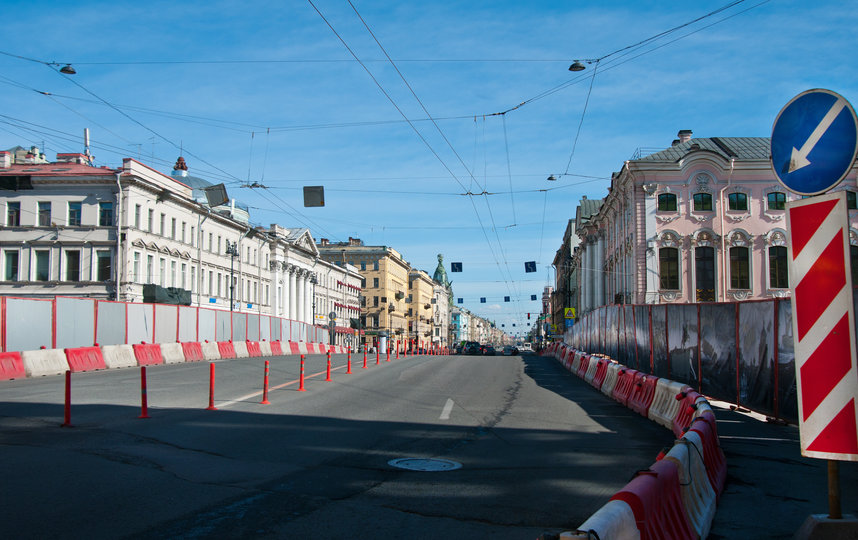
{"x":267,"y":92}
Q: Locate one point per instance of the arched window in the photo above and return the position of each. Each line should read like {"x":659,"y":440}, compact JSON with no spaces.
{"x":667,"y":202}
{"x":778,"y":274}
{"x":702,"y":202}
{"x":668,"y":267}
{"x":740,"y":275}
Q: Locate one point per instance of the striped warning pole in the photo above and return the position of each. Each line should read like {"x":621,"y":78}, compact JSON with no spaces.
{"x":211,"y":406}
{"x":144,"y":404}
{"x":349,"y":360}
{"x":67,"y":408}
{"x":265,"y":386}
{"x":301,"y":379}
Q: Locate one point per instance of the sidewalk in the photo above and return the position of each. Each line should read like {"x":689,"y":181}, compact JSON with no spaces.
{"x":771,"y":489}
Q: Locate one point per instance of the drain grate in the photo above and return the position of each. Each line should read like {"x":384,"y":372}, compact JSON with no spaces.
{"x":425,"y":464}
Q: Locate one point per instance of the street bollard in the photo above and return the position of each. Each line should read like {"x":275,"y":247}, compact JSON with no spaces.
{"x":364,"y":357}
{"x":67,"y":408}
{"x":144,"y":403}
{"x":211,"y":406}
{"x":265,"y":386}
{"x":301,"y":384}
{"x":328,"y":378}
{"x":349,"y":357}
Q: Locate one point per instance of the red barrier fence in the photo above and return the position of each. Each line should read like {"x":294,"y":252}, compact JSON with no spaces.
{"x":148,"y":354}
{"x":11,"y":366}
{"x":193,"y":351}
{"x":686,"y":411}
{"x":276,"y":349}
{"x":601,"y":373}
{"x":226,"y":349}
{"x":642,"y":393}
{"x":85,"y":359}
{"x":253,"y":349}
{"x":625,"y":385}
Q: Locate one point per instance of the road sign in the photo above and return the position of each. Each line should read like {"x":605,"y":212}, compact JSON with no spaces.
{"x":814,"y":142}
{"x":823,"y":324}
{"x":569,"y":312}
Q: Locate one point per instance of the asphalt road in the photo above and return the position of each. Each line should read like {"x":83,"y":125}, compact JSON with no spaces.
{"x":540,"y":451}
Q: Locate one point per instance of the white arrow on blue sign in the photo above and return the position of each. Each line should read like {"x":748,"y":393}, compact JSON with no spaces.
{"x":814,"y":142}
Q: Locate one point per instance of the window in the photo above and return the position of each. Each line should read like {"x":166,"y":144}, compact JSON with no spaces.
{"x":778,"y":277}
{"x":183,"y":275}
{"x":211,"y":246}
{"x":183,"y":231}
{"x":375,"y":282}
{"x":105,"y":214}
{"x":44,"y":210}
{"x":194,"y":278}
{"x":737,"y":201}
{"x":375,"y":265}
{"x":172,"y":273}
{"x":162,"y":223}
{"x":851,"y":200}
{"x":137,"y":211}
{"x":103,"y":269}
{"x":72,"y":265}
{"x":11,"y":266}
{"x":702,"y":202}
{"x":667,"y":202}
{"x":162,"y":268}
{"x":740,"y":275}
{"x":193,"y":238}
{"x":363,"y":265}
{"x":375,"y":301}
{"x":211,"y":281}
{"x":150,"y":267}
{"x":383,"y":299}
{"x":173,"y":228}
{"x":43,"y":265}
{"x":668,"y":259}
{"x":135,"y":268}
{"x":777,"y":201}
{"x":150,"y":221}
{"x":13,"y":214}
{"x":218,"y":244}
{"x":74,"y":214}
{"x":218,"y":283}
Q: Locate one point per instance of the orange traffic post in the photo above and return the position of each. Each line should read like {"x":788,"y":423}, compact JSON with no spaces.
{"x":364,"y":357}
{"x":211,"y":406}
{"x":301,"y":384}
{"x":349,"y":359}
{"x":144,"y":404}
{"x":265,"y":386}
{"x":328,"y":378}
{"x":377,"y":357}
{"x":388,"y":354}
{"x":397,"y":349}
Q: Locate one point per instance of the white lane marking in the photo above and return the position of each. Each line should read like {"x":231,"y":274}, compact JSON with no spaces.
{"x":448,"y":408}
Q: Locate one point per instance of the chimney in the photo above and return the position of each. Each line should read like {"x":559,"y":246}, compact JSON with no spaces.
{"x":684,"y":135}
{"x":5,"y":160}
{"x":80,"y":159}
{"x":323,"y":241}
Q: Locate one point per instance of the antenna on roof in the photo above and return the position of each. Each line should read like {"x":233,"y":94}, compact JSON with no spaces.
{"x":86,"y":146}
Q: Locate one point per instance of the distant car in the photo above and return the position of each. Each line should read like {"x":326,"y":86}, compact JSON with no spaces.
{"x":488,"y":350}
{"x":471,"y":347}
{"x":509,"y":350}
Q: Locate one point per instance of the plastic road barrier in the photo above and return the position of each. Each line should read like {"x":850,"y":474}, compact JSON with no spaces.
{"x":148,"y":354}
{"x":601,"y":373}
{"x":664,"y":403}
{"x":576,"y":361}
{"x":11,"y":366}
{"x":687,"y":409}
{"x":211,"y":350}
{"x":642,"y":394}
{"x":226,"y":349}
{"x":172,"y":353}
{"x":698,"y":497}
{"x":276,"y":348}
{"x":713,"y":456}
{"x":84,"y":359}
{"x":193,"y":351}
{"x":625,"y":385}
{"x":591,"y":369}
{"x":586,"y":360}
{"x":240,"y":348}
{"x":615,"y":520}
{"x":45,"y":362}
{"x":118,"y":356}
{"x":611,"y":379}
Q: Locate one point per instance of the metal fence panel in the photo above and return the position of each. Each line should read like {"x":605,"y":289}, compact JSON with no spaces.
{"x":75,"y":322}
{"x":253,"y":330}
{"x":111,"y":323}
{"x":718,"y":350}
{"x":187,"y":324}
{"x":166,"y":323}
{"x":223,"y":328}
{"x":140,"y":323}
{"x":239,"y":327}
{"x":661,"y":367}
{"x":682,"y":343}
{"x":787,"y":389}
{"x":641,"y":337}
{"x":756,"y":356}
{"x":28,"y":324}
{"x":207,"y":325}
{"x":267,"y":327}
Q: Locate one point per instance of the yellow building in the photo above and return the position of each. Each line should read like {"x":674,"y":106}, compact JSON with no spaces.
{"x":384,"y":289}
{"x":421,"y":291}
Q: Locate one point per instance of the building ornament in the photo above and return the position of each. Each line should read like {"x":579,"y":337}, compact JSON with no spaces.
{"x":739,"y":294}
{"x":669,"y":239}
{"x":669,"y":296}
{"x":650,"y":189}
{"x":738,"y":217}
{"x":666,"y":219}
{"x":703,"y":183}
{"x":739,"y":238}
{"x":776,"y":237}
{"x":780,"y":293}
{"x":773,"y":217}
{"x":700,"y":218}
{"x":704,"y":238}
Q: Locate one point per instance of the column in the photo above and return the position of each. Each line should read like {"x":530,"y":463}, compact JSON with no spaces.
{"x":600,"y":274}
{"x":308,"y":298}
{"x":300,"y":291}
{"x":291,"y":293}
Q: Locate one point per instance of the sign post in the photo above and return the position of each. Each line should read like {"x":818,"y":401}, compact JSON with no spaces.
{"x":813,"y":147}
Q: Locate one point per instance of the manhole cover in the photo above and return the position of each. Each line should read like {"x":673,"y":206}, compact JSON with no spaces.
{"x":425,"y":464}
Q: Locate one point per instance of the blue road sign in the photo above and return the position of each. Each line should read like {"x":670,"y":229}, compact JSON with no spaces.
{"x":814,"y":142}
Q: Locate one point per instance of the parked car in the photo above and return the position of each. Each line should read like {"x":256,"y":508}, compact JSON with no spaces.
{"x":487,"y":350}
{"x":509,"y":350}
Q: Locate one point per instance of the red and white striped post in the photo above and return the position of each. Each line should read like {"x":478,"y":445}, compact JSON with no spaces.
{"x":364,"y":357}
{"x":349,"y":361}
{"x":328,"y":378}
{"x":67,"y":408}
{"x":301,"y":378}
{"x":377,"y":356}
{"x":397,"y":349}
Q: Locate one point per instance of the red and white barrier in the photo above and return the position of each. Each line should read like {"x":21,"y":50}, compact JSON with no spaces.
{"x":193,"y":351}
{"x":172,"y":353}
{"x":11,"y":366}
{"x":265,"y":348}
{"x":240,"y":348}
{"x":84,"y":359}
{"x":664,"y":403}
{"x":45,"y":362}
{"x":148,"y":354}
{"x":698,"y":497}
{"x":211,"y":351}
{"x":615,"y":520}
{"x":226,"y":349}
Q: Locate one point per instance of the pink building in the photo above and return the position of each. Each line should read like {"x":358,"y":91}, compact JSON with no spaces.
{"x":701,"y":221}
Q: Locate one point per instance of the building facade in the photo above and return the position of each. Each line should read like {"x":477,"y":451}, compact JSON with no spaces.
{"x":701,"y":221}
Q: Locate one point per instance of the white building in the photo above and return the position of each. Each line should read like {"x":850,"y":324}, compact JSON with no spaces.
{"x":71,"y":229}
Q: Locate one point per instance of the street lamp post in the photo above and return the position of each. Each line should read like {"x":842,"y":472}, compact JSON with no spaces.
{"x":232,"y":251}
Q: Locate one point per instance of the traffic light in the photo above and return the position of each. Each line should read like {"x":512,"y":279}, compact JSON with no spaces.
{"x":528,"y":316}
